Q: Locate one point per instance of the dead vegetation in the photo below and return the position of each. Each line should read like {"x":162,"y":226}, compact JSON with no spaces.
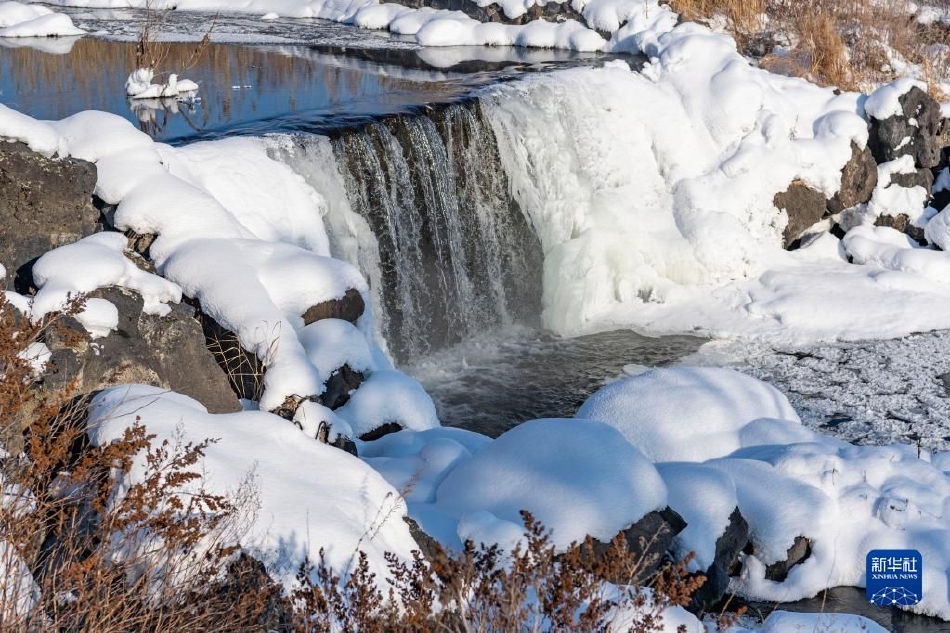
{"x":152,"y":50}
{"x":851,"y":44}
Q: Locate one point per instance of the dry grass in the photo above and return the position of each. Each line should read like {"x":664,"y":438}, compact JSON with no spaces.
{"x":853,"y":44}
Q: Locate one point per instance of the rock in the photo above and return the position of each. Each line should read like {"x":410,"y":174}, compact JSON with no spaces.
{"x":725,"y":564}
{"x":923,"y":177}
{"x":804,"y":207}
{"x":428,"y":546}
{"x":44,"y":203}
{"x":167,"y":352}
{"x":349,"y":308}
{"x":339,"y":386}
{"x":943,"y":139}
{"x":649,"y":540}
{"x":799,"y":552}
{"x":913,"y":133}
{"x":901,"y":222}
{"x":858,"y":179}
{"x":242,"y":369}
{"x":380,"y":431}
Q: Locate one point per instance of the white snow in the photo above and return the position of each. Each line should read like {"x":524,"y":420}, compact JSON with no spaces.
{"x":685,"y":413}
{"x":29,"y":20}
{"x":139,"y":85}
{"x":569,"y":476}
{"x":332,"y":343}
{"x":389,"y":396}
{"x":787,"y":622}
{"x":40,"y":137}
{"x":94,"y":262}
{"x":37,"y":355}
{"x":884,"y":102}
{"x":311,"y":495}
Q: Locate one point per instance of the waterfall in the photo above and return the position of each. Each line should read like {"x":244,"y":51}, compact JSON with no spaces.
{"x":421,"y":204}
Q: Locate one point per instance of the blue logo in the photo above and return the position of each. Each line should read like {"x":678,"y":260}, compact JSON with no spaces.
{"x":895,"y":577}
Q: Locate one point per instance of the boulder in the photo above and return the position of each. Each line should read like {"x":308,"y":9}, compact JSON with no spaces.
{"x":349,"y":308}
{"x":44,"y":203}
{"x":911,"y":133}
{"x":804,"y":207}
{"x":923,"y":177}
{"x":797,"y":553}
{"x":339,"y":386}
{"x":901,"y":222}
{"x":725,"y":564}
{"x":858,"y":179}
{"x":649,"y":540}
{"x":167,"y":352}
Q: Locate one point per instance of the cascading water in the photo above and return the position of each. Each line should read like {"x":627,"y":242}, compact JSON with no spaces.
{"x":454,"y":255}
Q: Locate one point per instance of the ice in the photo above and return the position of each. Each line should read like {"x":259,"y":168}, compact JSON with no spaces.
{"x":685,"y":413}
{"x":311,"y":496}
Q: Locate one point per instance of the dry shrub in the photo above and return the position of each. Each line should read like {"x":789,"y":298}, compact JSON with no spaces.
{"x":532,"y":588}
{"x":152,"y":52}
{"x":852,"y":44}
{"x":104,"y":552}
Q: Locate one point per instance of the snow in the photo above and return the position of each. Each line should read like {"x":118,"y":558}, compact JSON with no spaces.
{"x":787,"y":622}
{"x":569,"y":476}
{"x":310,"y":495}
{"x":29,"y":20}
{"x":389,"y":396}
{"x":139,"y":85}
{"x":685,"y":413}
{"x":19,"y":594}
{"x":884,"y":102}
{"x":790,"y":482}
{"x":37,"y":355}
{"x":40,"y":137}
{"x":332,"y":343}
{"x":94,"y":262}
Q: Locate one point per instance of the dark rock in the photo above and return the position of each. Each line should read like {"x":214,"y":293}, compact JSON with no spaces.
{"x":380,"y":431}
{"x":349,"y":308}
{"x":901,"y":222}
{"x":242,"y":369}
{"x":339,"y":385}
{"x":247,"y":581}
{"x":648,"y":540}
{"x":724,"y":565}
{"x":44,"y":203}
{"x":167,"y":352}
{"x":804,"y":207}
{"x":923,"y":177}
{"x":887,"y":137}
{"x":799,"y":552}
{"x":858,"y":179}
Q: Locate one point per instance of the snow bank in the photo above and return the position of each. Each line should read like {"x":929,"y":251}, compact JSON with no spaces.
{"x":787,"y":622}
{"x":787,"y":481}
{"x":311,"y":495}
{"x":685,"y":413}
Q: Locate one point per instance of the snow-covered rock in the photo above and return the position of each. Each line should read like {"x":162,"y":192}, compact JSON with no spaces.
{"x":30,"y":20}
{"x":686,"y":413}
{"x":139,"y":86}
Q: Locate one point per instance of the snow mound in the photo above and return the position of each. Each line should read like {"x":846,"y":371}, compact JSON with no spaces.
{"x":94,"y":262}
{"x":577,"y":479}
{"x":332,"y":343}
{"x":311,"y":495}
{"x":29,"y":20}
{"x":389,"y":396}
{"x":685,"y":413}
{"x":787,"y":622}
{"x":38,"y":136}
{"x":139,"y":86}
